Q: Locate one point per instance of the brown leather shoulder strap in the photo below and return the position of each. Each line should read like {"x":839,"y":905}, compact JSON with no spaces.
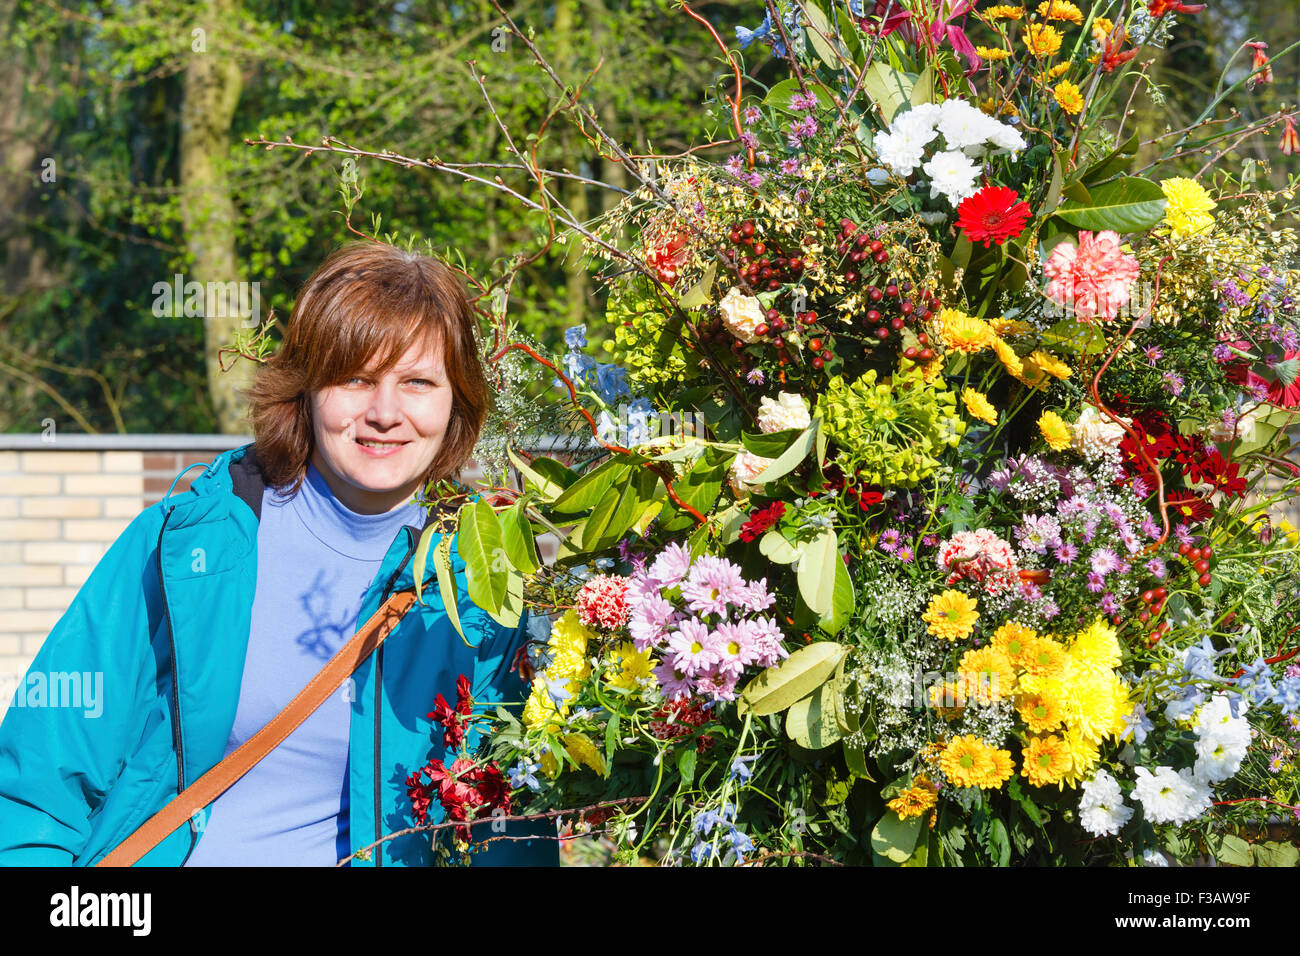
{"x":215,"y":782}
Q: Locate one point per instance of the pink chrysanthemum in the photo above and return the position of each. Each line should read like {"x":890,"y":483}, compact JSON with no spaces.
{"x":690,"y":649}
{"x":602,"y":602}
{"x":712,"y":584}
{"x":650,"y":619}
{"x":1094,"y":278}
{"x":733,"y":647}
{"x":673,"y":684}
{"x":671,"y":566}
{"x":767,"y":639}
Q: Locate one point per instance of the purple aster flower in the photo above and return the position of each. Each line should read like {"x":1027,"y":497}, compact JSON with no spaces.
{"x":748,"y":140}
{"x":712,"y":584}
{"x":1088,"y":531}
{"x":673,"y":683}
{"x":889,"y":539}
{"x":717,"y":685}
{"x":810,"y":125}
{"x":752,"y":114}
{"x":734,"y":164}
{"x":1073,"y":507}
{"x":1038,"y":533}
{"x":755,"y":179}
{"x":689,"y":647}
{"x":1172,"y":383}
{"x":1109,"y":604}
{"x":803,"y":102}
{"x":1050,"y":610}
{"x":930,"y":540}
{"x":1139,"y":487}
{"x":904,"y":554}
{"x":1221,"y":353}
{"x":790,"y":167}
{"x":1153,"y":354}
{"x":1184,"y":534}
{"x":1149,"y":528}
{"x":1066,"y":553}
{"x":1096,"y":584}
{"x":649,"y":620}
{"x":802,"y":195}
{"x":1157,"y":567}
{"x":671,"y":566}
{"x":1104,"y":561}
{"x":763,"y":156}
{"x":1130,"y":540}
{"x":755,"y":376}
{"x":1030,"y":591}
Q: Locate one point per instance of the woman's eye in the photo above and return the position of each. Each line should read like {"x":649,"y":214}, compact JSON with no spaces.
{"x":423,"y":381}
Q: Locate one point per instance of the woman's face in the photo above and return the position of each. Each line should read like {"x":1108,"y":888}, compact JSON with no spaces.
{"x":377,"y":435}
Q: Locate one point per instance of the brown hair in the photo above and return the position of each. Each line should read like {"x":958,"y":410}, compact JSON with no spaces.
{"x":365,"y":300}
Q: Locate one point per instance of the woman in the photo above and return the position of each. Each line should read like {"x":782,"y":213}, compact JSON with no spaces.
{"x":216,"y":606}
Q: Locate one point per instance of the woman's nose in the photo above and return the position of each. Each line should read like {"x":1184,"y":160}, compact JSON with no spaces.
{"x":385,"y":408}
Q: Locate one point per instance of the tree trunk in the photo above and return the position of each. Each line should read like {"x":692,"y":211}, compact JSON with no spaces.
{"x":211,"y":92}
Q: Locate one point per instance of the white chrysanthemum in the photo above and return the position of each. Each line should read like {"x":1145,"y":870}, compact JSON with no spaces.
{"x":1217,"y":758}
{"x":1216,"y":716}
{"x":898,"y":151}
{"x":952,"y":175}
{"x":1006,"y":137}
{"x":963,"y":125}
{"x":741,"y":314}
{"x":1094,"y":435}
{"x":1170,"y":797}
{"x":788,"y":411}
{"x":1101,"y":807}
{"x":917,"y":125}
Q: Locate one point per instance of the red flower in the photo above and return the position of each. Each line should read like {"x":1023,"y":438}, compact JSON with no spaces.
{"x":1158,"y":8}
{"x":1111,"y":56}
{"x":994,"y":213}
{"x":464,"y":701}
{"x":761,"y":520}
{"x":1284,"y":390}
{"x":1258,"y":79}
{"x":420,"y":797}
{"x":453,"y":732}
{"x":1189,"y":508}
{"x":1290,"y":142}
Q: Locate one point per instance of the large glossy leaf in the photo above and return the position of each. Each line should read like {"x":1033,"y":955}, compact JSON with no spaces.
{"x":584,"y":493}
{"x":486,"y":564}
{"x":842,"y":600}
{"x":811,"y":722}
{"x":791,"y":458}
{"x":512,"y":605}
{"x":1114,"y":164}
{"x":889,"y":88}
{"x":776,"y":548}
{"x":546,"y":486}
{"x":1130,"y":204}
{"x":796,"y":677}
{"x":816,"y":573}
{"x":447,"y":584}
{"x":517,"y":535}
{"x":697,"y":296}
{"x":895,"y":839}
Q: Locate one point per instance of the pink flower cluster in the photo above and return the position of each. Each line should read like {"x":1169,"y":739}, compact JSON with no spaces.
{"x":1094,"y":278}
{"x":701,"y":620}
{"x":979,"y":556}
{"x":602,"y":602}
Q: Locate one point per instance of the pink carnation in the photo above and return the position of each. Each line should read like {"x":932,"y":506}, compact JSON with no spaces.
{"x":602,"y":602}
{"x":978,"y":556}
{"x":1093,"y":278}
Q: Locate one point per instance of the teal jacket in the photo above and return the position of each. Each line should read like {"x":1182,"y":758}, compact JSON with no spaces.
{"x":164,"y":617}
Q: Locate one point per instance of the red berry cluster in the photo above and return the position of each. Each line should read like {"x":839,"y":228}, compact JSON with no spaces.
{"x":1149,"y":616}
{"x":893,"y":306}
{"x":1199,"y":560}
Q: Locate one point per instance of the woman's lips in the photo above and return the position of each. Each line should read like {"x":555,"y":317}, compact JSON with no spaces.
{"x":384,"y":452}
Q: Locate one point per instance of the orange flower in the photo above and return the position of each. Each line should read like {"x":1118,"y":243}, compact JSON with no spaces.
{"x":1290,"y":142}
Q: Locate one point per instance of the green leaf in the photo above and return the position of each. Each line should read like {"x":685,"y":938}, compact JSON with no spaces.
{"x":421,"y":559}
{"x":792,"y":456}
{"x":842,"y":600}
{"x":816,"y":573}
{"x":888,"y":88}
{"x":686,"y":765}
{"x":771,"y":444}
{"x":999,"y":843}
{"x":1114,"y":164}
{"x":699,"y":488}
{"x":447,"y":584}
{"x":485,"y":558}
{"x":811,"y":722}
{"x":590,"y":488}
{"x":611,"y":516}
{"x":512,"y":605}
{"x":517,"y":535}
{"x":547,"y":488}
{"x":1129,"y":204}
{"x":777,"y":549}
{"x":794,"y":678}
{"x":697,"y":296}
{"x":1053,"y":197}
{"x":780,"y":95}
{"x":729,"y":523}
{"x":1276,"y":854}
{"x":856,"y":760}
{"x":895,"y":839}
{"x":821,"y":34}
{"x":1232,"y":850}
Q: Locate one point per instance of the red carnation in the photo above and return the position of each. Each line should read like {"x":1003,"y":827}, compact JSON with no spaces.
{"x":994,"y":213}
{"x":464,"y":701}
{"x":761,"y":520}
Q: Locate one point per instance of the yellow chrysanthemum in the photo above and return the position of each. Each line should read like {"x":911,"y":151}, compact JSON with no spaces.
{"x":1003,"y":768}
{"x":629,"y":669}
{"x":916,"y":799}
{"x":1016,"y":642}
{"x":1004,"y":11}
{"x":1188,"y":209}
{"x":581,"y":749}
{"x":1003,"y":326}
{"x":1042,"y":40}
{"x":1091,"y":704}
{"x":1030,"y":375}
{"x":1068,"y":97}
{"x":1288,"y":531}
{"x":1010,"y":361}
{"x":1060,"y":10}
{"x":987,"y":674}
{"x":948,"y":699}
{"x":1046,"y":659}
{"x":1055,"y":432}
{"x":979,"y":406}
{"x":964,"y":333}
{"x":1041,"y":712}
{"x":992,"y":53}
{"x":567,"y":649}
{"x":1101,"y":28}
{"x":1046,"y":760}
{"x":1050,"y":364}
{"x":951,"y":615}
{"x":968,"y":761}
{"x":540,"y":709}
{"x":1084,"y":755}
{"x":1095,"y":648}
{"x":1056,"y":72}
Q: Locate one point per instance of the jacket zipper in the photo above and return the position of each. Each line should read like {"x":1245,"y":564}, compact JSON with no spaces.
{"x":379,"y":684}
{"x":178,"y":740}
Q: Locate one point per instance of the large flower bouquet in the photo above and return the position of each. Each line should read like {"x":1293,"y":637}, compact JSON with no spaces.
{"x":942,"y":452}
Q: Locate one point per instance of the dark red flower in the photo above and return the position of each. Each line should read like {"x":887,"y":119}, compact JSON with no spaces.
{"x":420,"y":795}
{"x":1158,"y":8}
{"x":761,"y":520}
{"x":1259,"y":63}
{"x":1111,"y":54}
{"x":1284,"y":390}
{"x":994,"y":213}
{"x":1189,"y":508}
{"x":453,"y":732}
{"x":464,"y":702}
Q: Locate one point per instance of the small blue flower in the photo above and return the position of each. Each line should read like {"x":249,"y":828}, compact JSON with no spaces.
{"x":741,"y":769}
{"x":740,"y":842}
{"x":523,"y":774}
{"x":1137,"y":724}
{"x":559,"y":690}
{"x":604,"y":564}
{"x":700,"y":852}
{"x":611,"y":382}
{"x":1288,"y":695}
{"x":705,"y":822}
{"x":576,"y":337}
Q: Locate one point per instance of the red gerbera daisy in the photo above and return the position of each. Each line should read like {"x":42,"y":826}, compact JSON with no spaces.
{"x":1189,"y":508}
{"x":994,"y":213}
{"x":1285,"y":389}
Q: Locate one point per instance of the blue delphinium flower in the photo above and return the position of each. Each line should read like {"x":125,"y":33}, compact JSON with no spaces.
{"x":523,"y":774}
{"x":741,"y":769}
{"x":611,"y":382}
{"x":575,"y":337}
